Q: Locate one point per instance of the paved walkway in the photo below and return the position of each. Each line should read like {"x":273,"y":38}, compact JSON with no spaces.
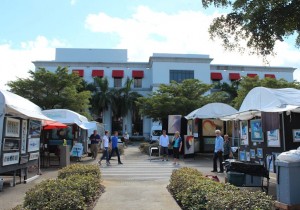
{"x":137,"y":184}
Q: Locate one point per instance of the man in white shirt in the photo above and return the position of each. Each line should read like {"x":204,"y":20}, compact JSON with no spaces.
{"x":164,"y":145}
{"x":105,"y":145}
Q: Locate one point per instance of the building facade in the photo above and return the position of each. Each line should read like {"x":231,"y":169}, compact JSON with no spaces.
{"x":160,"y":69}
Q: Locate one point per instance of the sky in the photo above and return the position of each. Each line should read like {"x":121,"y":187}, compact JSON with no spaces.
{"x":32,"y":29}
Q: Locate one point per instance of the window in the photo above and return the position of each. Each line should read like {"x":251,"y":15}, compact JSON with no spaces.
{"x":180,"y":75}
{"x":137,"y":82}
{"x":117,"y":82}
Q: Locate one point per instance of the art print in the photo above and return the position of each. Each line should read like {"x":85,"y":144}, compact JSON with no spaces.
{"x":12,"y":127}
{"x":24,"y":137}
{"x":35,"y":127}
{"x":273,"y":138}
{"x":244,"y":133}
{"x":296,"y":135}
{"x":256,"y":130}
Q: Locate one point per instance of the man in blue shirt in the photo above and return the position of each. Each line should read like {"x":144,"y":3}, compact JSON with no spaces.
{"x":218,"y":152}
{"x":95,"y":139}
{"x":114,"y":147}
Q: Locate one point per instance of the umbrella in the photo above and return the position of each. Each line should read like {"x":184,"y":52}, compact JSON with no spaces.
{"x":48,"y":125}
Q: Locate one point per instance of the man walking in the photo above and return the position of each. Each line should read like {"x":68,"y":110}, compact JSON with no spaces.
{"x":164,"y":145}
{"x":95,"y":139}
{"x":105,"y":145}
{"x":114,"y":145}
{"x":218,"y":152}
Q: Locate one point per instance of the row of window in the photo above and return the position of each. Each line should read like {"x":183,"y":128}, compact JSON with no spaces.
{"x":115,"y":73}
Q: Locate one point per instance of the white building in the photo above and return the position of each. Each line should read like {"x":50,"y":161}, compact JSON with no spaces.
{"x":160,"y":69}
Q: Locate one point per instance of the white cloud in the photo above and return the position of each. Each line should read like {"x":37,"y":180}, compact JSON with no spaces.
{"x":148,"y":31}
{"x":73,"y":2}
{"x":15,"y":63}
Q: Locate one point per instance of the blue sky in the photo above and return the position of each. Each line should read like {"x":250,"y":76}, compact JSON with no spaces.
{"x":32,"y":29}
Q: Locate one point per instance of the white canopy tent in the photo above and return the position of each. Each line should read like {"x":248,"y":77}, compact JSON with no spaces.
{"x":261,"y":99}
{"x":69,"y":117}
{"x":18,"y":106}
{"x":212,"y":110}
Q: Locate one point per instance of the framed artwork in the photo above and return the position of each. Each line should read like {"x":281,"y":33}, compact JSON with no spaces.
{"x":256,"y":130}
{"x":273,"y":138}
{"x":34,"y":156}
{"x":252,"y":153}
{"x":209,"y":127}
{"x":189,"y":145}
{"x":24,"y":137}
{"x":35,"y":127}
{"x":296,"y":135}
{"x":260,"y":153}
{"x":190,"y":127}
{"x":33,"y":144}
{"x":243,"y":155}
{"x":10,"y":158}
{"x":10,"y":144}
{"x":270,"y":163}
{"x":12,"y":127}
{"x":174,"y":123}
{"x":195,"y":127}
{"x":248,"y":156}
{"x":244,"y":132}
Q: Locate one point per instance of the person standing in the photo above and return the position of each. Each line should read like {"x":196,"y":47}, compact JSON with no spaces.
{"x":218,"y":152}
{"x":164,"y":145}
{"x":126,"y":139}
{"x":95,"y":139}
{"x":227,"y":148}
{"x":114,"y":147}
{"x":106,"y":146}
{"x":177,"y":145}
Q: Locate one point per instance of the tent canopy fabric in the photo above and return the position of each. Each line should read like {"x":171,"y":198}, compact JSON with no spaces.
{"x":212,"y":110}
{"x":49,"y":124}
{"x":69,"y":117}
{"x":261,"y":99}
{"x":18,"y":106}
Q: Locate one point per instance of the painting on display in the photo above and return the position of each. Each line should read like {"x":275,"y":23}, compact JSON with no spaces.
{"x":24,"y":137}
{"x":10,"y":158}
{"x":195,"y":127}
{"x":12,"y":127}
{"x":296,"y":135}
{"x":256,"y":131}
{"x":242,"y":155}
{"x":252,"y":153}
{"x":174,"y":123}
{"x":11,"y":144}
{"x":270,"y":163}
{"x":33,"y":144}
{"x":273,"y":138}
{"x":260,"y":153}
{"x":35,"y":127}
{"x":209,"y":127}
{"x":244,"y":133}
{"x":189,"y":145}
{"x":190,"y":127}
{"x":34,"y":156}
{"x":248,"y":156}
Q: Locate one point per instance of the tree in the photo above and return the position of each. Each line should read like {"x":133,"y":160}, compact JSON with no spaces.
{"x":53,"y":90}
{"x":178,"y":98}
{"x":247,"y":84}
{"x":258,"y":22}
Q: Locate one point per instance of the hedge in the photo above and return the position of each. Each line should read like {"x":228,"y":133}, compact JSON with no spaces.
{"x":193,"y":191}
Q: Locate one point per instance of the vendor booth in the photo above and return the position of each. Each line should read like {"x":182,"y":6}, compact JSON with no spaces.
{"x":203,"y":122}
{"x":269,"y":123}
{"x":20,"y":123}
{"x":75,"y":132}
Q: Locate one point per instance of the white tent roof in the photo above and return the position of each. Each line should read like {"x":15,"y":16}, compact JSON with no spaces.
{"x":261,"y":99}
{"x":212,"y":110}
{"x":18,"y":106}
{"x":69,"y":117}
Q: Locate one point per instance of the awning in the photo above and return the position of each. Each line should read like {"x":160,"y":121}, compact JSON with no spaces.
{"x":98,"y":73}
{"x":270,"y":76}
{"x":137,"y":74}
{"x":118,"y":73}
{"x":49,"y":125}
{"x":20,"y":107}
{"x":216,"y":76}
{"x":80,"y":72}
{"x":252,"y":75}
{"x":234,"y":76}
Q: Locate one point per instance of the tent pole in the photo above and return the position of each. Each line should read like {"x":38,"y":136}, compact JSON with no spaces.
{"x":283,"y":131}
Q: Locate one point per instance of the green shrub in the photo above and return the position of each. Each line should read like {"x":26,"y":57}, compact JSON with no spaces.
{"x":19,"y":207}
{"x":81,"y":170}
{"x":183,"y":178}
{"x":239,"y":199}
{"x":53,"y":194}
